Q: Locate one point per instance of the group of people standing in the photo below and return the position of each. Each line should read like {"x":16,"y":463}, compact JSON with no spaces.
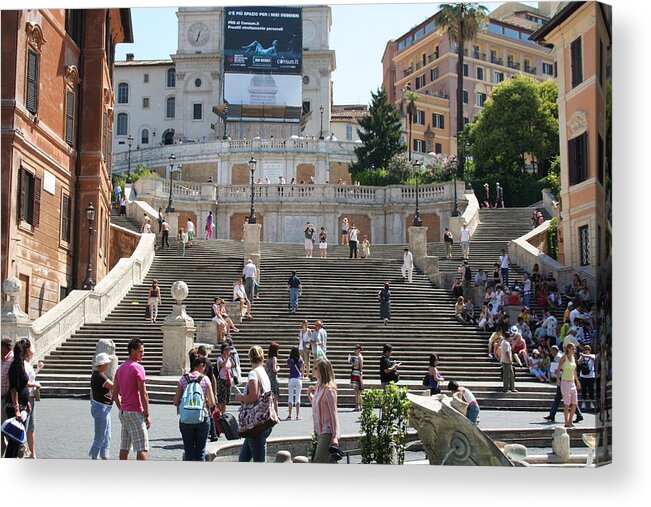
{"x":349,"y":236}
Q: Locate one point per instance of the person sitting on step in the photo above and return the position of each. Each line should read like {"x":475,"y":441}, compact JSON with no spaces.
{"x":239,"y":294}
{"x":224,"y":315}
{"x":458,"y":310}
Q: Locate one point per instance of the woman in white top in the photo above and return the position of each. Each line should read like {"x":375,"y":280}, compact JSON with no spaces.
{"x":33,"y":386}
{"x":189,"y":226}
{"x":258,"y":383}
{"x":146,"y":227}
{"x":304,"y":347}
{"x":344,"y":231}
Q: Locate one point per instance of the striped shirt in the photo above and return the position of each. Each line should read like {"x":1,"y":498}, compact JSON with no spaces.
{"x":324,"y":411}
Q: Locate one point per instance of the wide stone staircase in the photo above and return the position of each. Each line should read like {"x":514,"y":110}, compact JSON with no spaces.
{"x":339,"y":291}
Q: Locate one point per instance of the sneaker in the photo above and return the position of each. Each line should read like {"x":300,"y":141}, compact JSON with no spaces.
{"x":549,"y":418}
{"x":578,"y":419}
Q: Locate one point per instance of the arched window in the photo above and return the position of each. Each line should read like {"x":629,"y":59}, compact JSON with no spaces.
{"x":171,"y":107}
{"x":123,"y":93}
{"x":171,"y":78}
{"x":123,"y":123}
{"x":144,"y":137}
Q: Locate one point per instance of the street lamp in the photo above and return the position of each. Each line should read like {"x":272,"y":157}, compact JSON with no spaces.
{"x":169,"y":208}
{"x":321,"y":131}
{"x":225,"y":136}
{"x":453,"y":168}
{"x":90,"y":216}
{"x":252,"y":164}
{"x":130,"y":143}
{"x":465,"y":165}
{"x":417,"y":220}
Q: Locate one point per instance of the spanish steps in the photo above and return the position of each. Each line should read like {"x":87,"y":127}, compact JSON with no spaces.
{"x":337,"y":290}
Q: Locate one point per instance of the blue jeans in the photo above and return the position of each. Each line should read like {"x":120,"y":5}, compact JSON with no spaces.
{"x":255,"y":448}
{"x":194,"y":440}
{"x":473,"y":413}
{"x":293,"y":298}
{"x":101,"y":442}
{"x":525,"y":299}
{"x":505,"y":276}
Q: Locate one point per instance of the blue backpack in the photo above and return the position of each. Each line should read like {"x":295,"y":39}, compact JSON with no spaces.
{"x":193,"y":401}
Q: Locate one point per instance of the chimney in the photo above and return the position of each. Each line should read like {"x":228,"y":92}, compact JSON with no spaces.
{"x":130,"y":57}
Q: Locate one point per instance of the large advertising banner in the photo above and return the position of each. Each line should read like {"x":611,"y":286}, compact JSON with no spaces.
{"x":263,"y":39}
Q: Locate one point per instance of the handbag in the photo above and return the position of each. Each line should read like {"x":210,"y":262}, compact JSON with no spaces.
{"x":254,"y":418}
{"x":426,"y":380}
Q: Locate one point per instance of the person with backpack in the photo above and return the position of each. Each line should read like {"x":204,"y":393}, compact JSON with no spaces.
{"x":194,"y":399}
{"x":202,"y":351}
{"x":384,"y":297}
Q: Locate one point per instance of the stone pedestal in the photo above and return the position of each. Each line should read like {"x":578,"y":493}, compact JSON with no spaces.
{"x":252,"y":234}
{"x":15,"y":323}
{"x":455,"y":227}
{"x":418,"y":241}
{"x":178,"y":334}
{"x":173,"y":221}
{"x":561,"y":444}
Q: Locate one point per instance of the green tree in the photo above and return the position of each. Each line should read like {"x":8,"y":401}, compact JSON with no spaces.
{"x":517,"y":121}
{"x":461,"y":22}
{"x":141,"y":171}
{"x":548,"y":126}
{"x":380,"y":132}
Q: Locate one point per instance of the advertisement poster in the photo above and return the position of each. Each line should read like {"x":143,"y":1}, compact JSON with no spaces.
{"x":263,"y":39}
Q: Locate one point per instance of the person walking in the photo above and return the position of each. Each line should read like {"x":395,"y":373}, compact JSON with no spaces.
{"x":165,"y":239}
{"x":487,"y":196}
{"x":504,"y":268}
{"x":123,"y":206}
{"x":189,"y":227}
{"x":309,"y":239}
{"x":407,"y":264}
{"x":323,"y":397}
{"x":183,"y":241}
{"x":464,"y":238}
{"x":434,"y":377}
{"x":295,"y":290}
{"x":161,"y":219}
{"x":131,"y":397}
{"x":195,"y":434}
{"x":357,"y":375}
{"x":569,"y":383}
{"x":344,"y":231}
{"x":499,"y":195}
{"x":101,"y":403}
{"x":319,"y":341}
{"x":154,"y":300}
{"x":366,"y":247}
{"x":448,"y":240}
{"x":146,"y":226}
{"x":466,"y":277}
{"x":295,"y":364}
{"x":118,"y":192}
{"x":384,"y":297}
{"x":272,"y":368}
{"x":323,"y":243}
{"x":209,"y":225}
{"x":223,"y":367}
{"x":304,"y":347}
{"x":352,"y":241}
{"x":250,"y":273}
{"x":506,"y":362}
{"x":258,"y":383}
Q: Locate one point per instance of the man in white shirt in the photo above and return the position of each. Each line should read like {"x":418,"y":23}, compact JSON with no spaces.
{"x":250,"y":273}
{"x":526,"y":289}
{"x":504,"y":267}
{"x":464,"y":237}
{"x":407,"y":264}
{"x":550,"y":324}
{"x":352,"y":241}
{"x":506,"y":361}
{"x":239,"y":294}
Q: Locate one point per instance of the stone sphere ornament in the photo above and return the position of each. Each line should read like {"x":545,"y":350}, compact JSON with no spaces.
{"x":179,"y":291}
{"x":11,"y":287}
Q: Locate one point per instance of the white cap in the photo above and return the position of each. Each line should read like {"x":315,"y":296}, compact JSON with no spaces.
{"x":102,"y":358}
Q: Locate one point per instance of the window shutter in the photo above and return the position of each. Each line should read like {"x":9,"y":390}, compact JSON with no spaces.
{"x":571,"y":156}
{"x":577,"y":62}
{"x":70,"y":117}
{"x":65,"y":218}
{"x":36,"y":210}
{"x":104,"y":132}
{"x":32,"y":82}
{"x":21,"y":193}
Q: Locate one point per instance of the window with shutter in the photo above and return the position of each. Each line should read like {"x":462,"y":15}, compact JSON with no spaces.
{"x":70,"y":117}
{"x":36,"y":206}
{"x":21,"y":195}
{"x":65,"y":218}
{"x":31,"y":101}
{"x":578,"y":158}
{"x":577,"y":62}
{"x":104,"y":135}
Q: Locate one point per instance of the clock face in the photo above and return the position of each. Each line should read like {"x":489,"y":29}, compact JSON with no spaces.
{"x":198,"y":34}
{"x":309,"y":33}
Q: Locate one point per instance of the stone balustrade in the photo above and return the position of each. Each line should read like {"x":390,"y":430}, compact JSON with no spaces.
{"x":82,"y":307}
{"x":525,"y":254}
{"x":319,"y":193}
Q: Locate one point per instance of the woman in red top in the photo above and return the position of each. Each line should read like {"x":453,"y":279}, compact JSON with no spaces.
{"x":323,"y":397}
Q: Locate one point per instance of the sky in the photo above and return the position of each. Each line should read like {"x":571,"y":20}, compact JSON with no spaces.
{"x":358,"y":35}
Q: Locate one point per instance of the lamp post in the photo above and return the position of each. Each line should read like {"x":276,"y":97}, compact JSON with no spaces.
{"x":252,"y":164}
{"x":417,"y":220}
{"x":321,"y":131}
{"x":225,"y":136}
{"x":169,"y":208}
{"x":453,"y":168}
{"x":90,"y":216}
{"x":465,"y":166}
{"x":130,"y":143}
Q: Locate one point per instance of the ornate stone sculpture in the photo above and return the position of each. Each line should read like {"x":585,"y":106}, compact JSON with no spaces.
{"x":448,"y":437}
{"x":11,"y":311}
{"x":108,"y":346}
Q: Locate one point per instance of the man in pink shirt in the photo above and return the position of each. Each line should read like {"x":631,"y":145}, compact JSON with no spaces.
{"x":130,"y":396}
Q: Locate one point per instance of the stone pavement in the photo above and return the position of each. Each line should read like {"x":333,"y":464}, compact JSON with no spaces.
{"x":64,"y":427}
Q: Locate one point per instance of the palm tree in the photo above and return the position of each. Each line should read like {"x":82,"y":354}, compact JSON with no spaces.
{"x":411,"y":99}
{"x":462,"y":22}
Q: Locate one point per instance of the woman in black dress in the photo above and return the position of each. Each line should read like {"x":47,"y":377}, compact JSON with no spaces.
{"x":384,"y":297}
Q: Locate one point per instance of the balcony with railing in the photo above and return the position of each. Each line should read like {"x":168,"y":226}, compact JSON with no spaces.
{"x":408,"y":70}
{"x":513,"y":65}
{"x":496,"y":60}
{"x":530,"y":70}
{"x":432,"y":56}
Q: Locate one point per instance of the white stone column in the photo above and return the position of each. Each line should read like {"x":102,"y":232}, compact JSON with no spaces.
{"x":429,"y":265}
{"x":252,"y":241}
{"x":178,"y":334}
{"x":173,"y":221}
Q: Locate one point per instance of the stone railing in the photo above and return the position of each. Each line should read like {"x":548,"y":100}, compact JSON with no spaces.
{"x":550,"y":204}
{"x":523,"y":253}
{"x":470,"y":217}
{"x":322,"y":193}
{"x":82,"y":307}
